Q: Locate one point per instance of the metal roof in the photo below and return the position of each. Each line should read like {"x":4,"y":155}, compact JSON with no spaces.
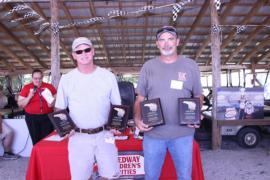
{"x":124,"y":32}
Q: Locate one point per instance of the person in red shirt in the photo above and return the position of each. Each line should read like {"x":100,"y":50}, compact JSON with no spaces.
{"x":36,"y":106}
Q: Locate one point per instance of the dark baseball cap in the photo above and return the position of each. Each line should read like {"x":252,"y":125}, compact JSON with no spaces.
{"x":169,"y":29}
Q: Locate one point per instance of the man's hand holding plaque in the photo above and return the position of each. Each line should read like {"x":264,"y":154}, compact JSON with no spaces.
{"x":151,"y":112}
{"x":189,"y":111}
{"x":62,"y":122}
{"x":118,"y":117}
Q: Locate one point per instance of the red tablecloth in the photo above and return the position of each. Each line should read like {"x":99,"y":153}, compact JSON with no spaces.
{"x":49,"y":160}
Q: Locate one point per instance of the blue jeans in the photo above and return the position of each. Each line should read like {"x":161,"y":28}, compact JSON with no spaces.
{"x":155,"y":152}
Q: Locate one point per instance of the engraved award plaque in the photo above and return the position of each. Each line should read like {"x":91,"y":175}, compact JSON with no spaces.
{"x":62,"y":122}
{"x":151,"y":112}
{"x":189,"y":111}
{"x":118,"y":117}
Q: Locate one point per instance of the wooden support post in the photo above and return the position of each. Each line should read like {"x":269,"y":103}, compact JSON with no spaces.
{"x":253,"y":74}
{"x":215,"y":49}
{"x":55,"y":52}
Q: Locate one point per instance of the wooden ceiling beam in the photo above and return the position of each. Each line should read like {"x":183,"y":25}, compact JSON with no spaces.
{"x":247,"y":40}
{"x":123,"y":36}
{"x":77,"y":34}
{"x":194,"y":25}
{"x":247,"y":18}
{"x":145,"y":33}
{"x":129,"y":69}
{"x":30,"y":33}
{"x":12,"y":54}
{"x":62,"y":44}
{"x":263,"y":57}
{"x":21,"y":45}
{"x":131,"y":26}
{"x":9,"y":66}
{"x":264,"y":43}
{"x":102,"y":42}
{"x":242,"y":3}
{"x":226,"y":12}
{"x":17,"y":72}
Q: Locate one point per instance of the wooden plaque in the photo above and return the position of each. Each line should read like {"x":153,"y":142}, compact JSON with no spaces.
{"x":151,"y":112}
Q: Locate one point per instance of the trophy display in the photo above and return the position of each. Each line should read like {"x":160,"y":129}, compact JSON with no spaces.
{"x":62,"y":122}
{"x":118,"y":117}
{"x":151,"y":112}
{"x":189,"y":111}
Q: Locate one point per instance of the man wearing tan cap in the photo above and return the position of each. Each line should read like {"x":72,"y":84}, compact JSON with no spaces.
{"x":88,"y":91}
{"x":169,"y":76}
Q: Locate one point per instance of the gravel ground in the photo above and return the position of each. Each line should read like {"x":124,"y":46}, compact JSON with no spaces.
{"x":230,"y":163}
{"x":13,"y":169}
{"x":251,"y":164}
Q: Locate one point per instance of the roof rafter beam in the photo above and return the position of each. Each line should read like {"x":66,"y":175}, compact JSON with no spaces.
{"x":11,"y":54}
{"x":93,"y":13}
{"x":62,"y":45}
{"x":265,"y":42}
{"x":265,"y":56}
{"x":122,"y":35}
{"x":21,"y":45}
{"x":232,"y":34}
{"x":194,"y":25}
{"x":208,"y":39}
{"x":146,"y":20}
{"x":9,"y":66}
{"x":77,"y":34}
{"x":247,"y":40}
{"x":30,"y":33}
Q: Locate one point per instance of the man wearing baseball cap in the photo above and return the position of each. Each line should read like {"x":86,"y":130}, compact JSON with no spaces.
{"x":88,"y":92}
{"x":169,"y":76}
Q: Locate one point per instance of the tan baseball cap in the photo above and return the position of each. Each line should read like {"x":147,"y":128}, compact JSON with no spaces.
{"x":81,"y":40}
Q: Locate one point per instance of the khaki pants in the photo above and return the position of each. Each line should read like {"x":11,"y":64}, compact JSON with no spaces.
{"x":84,"y":149}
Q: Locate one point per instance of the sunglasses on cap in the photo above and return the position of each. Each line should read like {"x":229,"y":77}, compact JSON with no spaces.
{"x":87,"y":50}
{"x":169,"y":29}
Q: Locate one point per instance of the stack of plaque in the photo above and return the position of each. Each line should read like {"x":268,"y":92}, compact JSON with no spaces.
{"x":118,"y":117}
{"x":151,"y":112}
{"x":62,"y":122}
{"x":189,"y":111}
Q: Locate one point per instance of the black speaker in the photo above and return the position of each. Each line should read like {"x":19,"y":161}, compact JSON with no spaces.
{"x":127,"y":93}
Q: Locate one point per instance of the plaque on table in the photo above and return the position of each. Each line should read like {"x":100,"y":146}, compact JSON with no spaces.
{"x":151,"y":112}
{"x":189,"y":111}
{"x":62,"y":122}
{"x":118,"y":117}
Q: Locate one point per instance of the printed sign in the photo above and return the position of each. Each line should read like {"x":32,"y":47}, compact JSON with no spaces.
{"x":131,"y":164}
{"x":240,"y":103}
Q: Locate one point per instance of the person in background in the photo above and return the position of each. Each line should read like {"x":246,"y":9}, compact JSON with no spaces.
{"x":37,"y":106}
{"x":88,"y":92}
{"x":169,"y":76}
{"x":6,"y":133}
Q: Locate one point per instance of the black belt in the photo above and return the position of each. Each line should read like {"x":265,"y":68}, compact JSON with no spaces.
{"x":90,"y":131}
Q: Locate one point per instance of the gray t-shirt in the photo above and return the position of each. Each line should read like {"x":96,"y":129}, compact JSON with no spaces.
{"x":169,"y":82}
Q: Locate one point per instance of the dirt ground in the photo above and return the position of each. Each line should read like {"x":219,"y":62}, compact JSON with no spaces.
{"x":243,"y":164}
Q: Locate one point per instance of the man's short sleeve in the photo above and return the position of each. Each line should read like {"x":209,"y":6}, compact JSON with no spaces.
{"x":115,"y":94}
{"x":61,"y":97}
{"x":197,"y":87}
{"x":142,"y":82}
